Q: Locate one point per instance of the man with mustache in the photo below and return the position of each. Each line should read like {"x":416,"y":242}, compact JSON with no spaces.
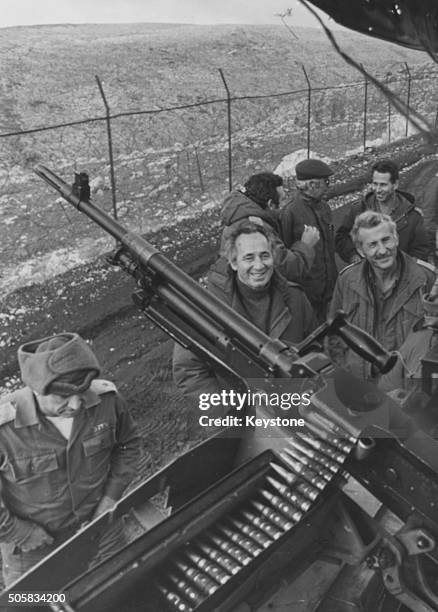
{"x":68,"y":449}
{"x":382,"y":293}
{"x":387,"y":198}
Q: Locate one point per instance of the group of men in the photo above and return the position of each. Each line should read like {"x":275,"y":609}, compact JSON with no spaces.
{"x":68,"y":446}
{"x":283,"y":267}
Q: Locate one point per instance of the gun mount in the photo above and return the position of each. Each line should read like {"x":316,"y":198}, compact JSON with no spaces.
{"x":338,"y":515}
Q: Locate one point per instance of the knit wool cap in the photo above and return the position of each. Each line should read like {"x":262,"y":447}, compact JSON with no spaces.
{"x":312,"y":168}
{"x":62,"y":364}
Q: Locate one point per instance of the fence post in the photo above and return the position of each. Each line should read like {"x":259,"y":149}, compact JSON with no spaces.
{"x":389,"y":111}
{"x":408,"y":99}
{"x":365,"y":114}
{"x":230,"y":159}
{"x":309,"y":109}
{"x":110,"y":147}
{"x":198,"y":165}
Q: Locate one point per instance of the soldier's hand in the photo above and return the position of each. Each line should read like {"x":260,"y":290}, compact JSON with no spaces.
{"x":106,"y":503}
{"x":37,"y":537}
{"x":310,"y":235}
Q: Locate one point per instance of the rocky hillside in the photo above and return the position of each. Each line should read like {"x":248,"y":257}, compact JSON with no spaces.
{"x":169,"y":165}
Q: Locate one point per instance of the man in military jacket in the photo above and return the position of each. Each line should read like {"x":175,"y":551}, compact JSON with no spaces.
{"x":382,"y":293}
{"x":386,"y":197}
{"x":68,"y":449}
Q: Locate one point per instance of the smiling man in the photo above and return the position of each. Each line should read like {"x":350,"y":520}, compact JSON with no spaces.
{"x":254,"y":289}
{"x":382,"y":293}
{"x":68,"y":449}
{"x":386,"y":197}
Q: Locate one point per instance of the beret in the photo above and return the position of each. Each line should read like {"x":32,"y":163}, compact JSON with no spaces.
{"x":63,"y":364}
{"x":312,"y":168}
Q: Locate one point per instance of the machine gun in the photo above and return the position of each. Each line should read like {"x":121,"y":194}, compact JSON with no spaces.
{"x":260,"y":520}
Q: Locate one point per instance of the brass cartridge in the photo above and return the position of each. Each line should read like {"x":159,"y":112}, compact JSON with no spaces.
{"x":287,"y":475}
{"x":304,"y":471}
{"x":242,"y":541}
{"x":325,"y":448}
{"x":273,"y":516}
{"x":255,"y":534}
{"x":340,"y":444}
{"x":266,"y":527}
{"x":297,"y":500}
{"x":279,"y":504}
{"x":309,"y":463}
{"x":175,"y":600}
{"x":233,"y":551}
{"x":198,"y":578}
{"x":223,"y":560}
{"x":307,"y":490}
{"x":186,"y":590}
{"x":210,"y":568}
{"x":314,"y":455}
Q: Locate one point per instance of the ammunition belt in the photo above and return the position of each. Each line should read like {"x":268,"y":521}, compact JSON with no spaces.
{"x":297,"y":477}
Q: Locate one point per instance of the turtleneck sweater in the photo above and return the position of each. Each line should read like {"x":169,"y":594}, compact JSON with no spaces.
{"x":256,"y":303}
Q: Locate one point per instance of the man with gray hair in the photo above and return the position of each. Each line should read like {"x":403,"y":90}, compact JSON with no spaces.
{"x":255,"y":290}
{"x":382,"y":293}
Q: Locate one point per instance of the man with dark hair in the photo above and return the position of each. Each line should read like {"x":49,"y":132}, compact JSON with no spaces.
{"x":259,"y":204}
{"x":68,"y":449}
{"x":308,"y":207}
{"x":381,"y":294}
{"x":254,"y":289}
{"x":386,"y":198}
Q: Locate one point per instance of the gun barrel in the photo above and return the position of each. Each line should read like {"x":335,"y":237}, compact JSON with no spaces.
{"x":271,"y":354}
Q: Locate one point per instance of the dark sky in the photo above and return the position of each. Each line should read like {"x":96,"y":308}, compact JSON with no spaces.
{"x":27,"y":12}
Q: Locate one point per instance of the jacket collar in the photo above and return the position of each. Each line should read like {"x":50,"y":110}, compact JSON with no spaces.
{"x":403,"y":203}
{"x":27,"y":412}
{"x":409,"y":281}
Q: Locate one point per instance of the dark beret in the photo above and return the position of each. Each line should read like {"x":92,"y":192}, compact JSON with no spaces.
{"x":312,"y":168}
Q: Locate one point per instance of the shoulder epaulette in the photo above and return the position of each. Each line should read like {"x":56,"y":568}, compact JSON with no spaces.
{"x":419,"y":211}
{"x":7,"y":412}
{"x":256,"y":220}
{"x":101,"y":386}
{"x":427,"y":265}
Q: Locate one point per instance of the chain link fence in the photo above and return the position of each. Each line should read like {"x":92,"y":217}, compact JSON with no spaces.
{"x":157,"y":166}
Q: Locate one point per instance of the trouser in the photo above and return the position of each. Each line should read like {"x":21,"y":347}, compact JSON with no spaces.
{"x":15,"y":562}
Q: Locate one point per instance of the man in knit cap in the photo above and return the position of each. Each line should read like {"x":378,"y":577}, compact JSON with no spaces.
{"x":68,"y":449}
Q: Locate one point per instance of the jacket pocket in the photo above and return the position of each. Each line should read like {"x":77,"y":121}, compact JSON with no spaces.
{"x":99,"y":442}
{"x":24,"y":468}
